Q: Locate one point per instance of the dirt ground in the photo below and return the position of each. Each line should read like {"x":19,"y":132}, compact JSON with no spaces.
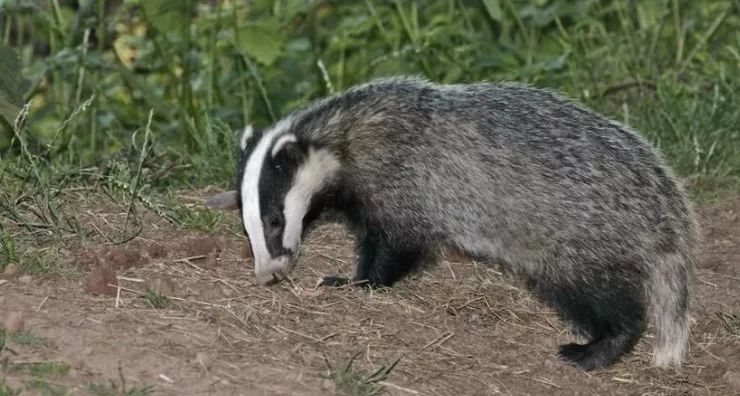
{"x":458,"y":328}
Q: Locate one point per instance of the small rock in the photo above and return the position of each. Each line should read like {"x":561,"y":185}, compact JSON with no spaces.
{"x":122,"y":258}
{"x":204,"y":359}
{"x":162,"y":285}
{"x":227,"y":291}
{"x":156,"y":250}
{"x":212,"y":259}
{"x":201,"y":246}
{"x":327,"y":384}
{"x":319,"y":320}
{"x":14,"y":322}
{"x":25,"y":279}
{"x":99,"y":280}
{"x":733,"y":378}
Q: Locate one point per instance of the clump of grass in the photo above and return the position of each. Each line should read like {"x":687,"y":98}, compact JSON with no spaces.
{"x":6,"y":390}
{"x":2,"y":339}
{"x":45,"y":263}
{"x":119,"y":388}
{"x":113,"y":389}
{"x":731,"y":321}
{"x":156,"y":300}
{"x":26,"y":338}
{"x":49,"y":369}
{"x":203,"y":220}
{"x":45,"y":388}
{"x":7,"y":249}
{"x":40,"y":374}
{"x":351,"y":380}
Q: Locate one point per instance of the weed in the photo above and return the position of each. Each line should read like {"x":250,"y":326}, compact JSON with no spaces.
{"x":156,"y":300}
{"x":48,"y":369}
{"x":353,"y":381}
{"x":112,"y":389}
{"x":45,"y":263}
{"x":2,"y":339}
{"x":27,"y":338}
{"x":44,"y":387}
{"x":731,"y":321}
{"x":40,"y":373}
{"x":195,"y":218}
{"x":7,"y":249}
{"x":6,"y":390}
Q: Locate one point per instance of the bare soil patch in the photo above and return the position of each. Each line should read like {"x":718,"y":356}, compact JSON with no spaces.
{"x":458,"y":328}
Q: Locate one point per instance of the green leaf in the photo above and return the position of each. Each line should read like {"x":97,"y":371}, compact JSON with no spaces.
{"x":12,"y":85}
{"x":167,"y":16}
{"x":262,"y":40}
{"x":494,"y":9}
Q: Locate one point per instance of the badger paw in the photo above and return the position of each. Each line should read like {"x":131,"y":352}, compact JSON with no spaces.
{"x":587,"y":357}
{"x":574,"y":354}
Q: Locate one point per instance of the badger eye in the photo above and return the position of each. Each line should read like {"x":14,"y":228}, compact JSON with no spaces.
{"x":276,"y":221}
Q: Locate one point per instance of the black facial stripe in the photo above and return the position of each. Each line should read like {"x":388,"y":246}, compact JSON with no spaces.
{"x":274,"y":184}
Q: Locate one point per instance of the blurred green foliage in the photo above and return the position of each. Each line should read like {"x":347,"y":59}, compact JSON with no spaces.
{"x":670,"y":68}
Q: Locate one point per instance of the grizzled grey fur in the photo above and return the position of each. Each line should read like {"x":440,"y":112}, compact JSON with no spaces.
{"x":584,"y":210}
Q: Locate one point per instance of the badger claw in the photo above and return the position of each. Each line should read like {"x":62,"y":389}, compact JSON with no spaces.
{"x":334,"y":281}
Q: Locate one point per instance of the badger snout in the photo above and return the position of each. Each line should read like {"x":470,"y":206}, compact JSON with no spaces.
{"x":281,"y":265}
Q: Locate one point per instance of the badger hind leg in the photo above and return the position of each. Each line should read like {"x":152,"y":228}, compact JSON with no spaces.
{"x":611,"y":315}
{"x":601,"y":352}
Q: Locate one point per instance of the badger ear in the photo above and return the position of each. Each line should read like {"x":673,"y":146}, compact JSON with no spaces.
{"x":287,"y":147}
{"x":248,"y":135}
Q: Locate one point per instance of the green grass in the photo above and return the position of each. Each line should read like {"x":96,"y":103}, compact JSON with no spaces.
{"x":353,"y":381}
{"x":48,"y":369}
{"x":112,"y":389}
{"x":197,"y":219}
{"x":26,"y":338}
{"x":6,"y":390}
{"x":156,"y":300}
{"x":145,"y":99}
{"x":731,"y":322}
{"x":44,"y":387}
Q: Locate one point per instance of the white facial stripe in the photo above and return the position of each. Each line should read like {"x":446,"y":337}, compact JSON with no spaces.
{"x":248,"y":131}
{"x":282,"y":141}
{"x":318,"y":170}
{"x":264,"y":264}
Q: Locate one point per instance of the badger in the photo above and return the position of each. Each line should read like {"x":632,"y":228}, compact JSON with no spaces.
{"x":579,"y":207}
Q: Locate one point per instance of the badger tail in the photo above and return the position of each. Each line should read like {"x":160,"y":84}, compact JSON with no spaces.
{"x":670,"y":294}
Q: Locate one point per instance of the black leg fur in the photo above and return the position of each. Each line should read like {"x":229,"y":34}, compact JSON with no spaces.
{"x":380,"y":263}
{"x":608,"y":314}
{"x":383,"y":264}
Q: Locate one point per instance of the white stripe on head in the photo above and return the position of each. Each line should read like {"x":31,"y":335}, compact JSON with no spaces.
{"x":319,"y":169}
{"x":264,"y":264}
{"x":248,"y":132}
{"x":282,"y":141}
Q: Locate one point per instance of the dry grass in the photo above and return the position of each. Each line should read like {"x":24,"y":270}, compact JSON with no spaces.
{"x":458,"y":328}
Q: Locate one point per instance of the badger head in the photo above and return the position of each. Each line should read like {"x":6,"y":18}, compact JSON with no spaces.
{"x":280,"y":179}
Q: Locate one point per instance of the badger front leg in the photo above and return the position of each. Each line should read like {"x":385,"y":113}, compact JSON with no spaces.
{"x":379,"y":264}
